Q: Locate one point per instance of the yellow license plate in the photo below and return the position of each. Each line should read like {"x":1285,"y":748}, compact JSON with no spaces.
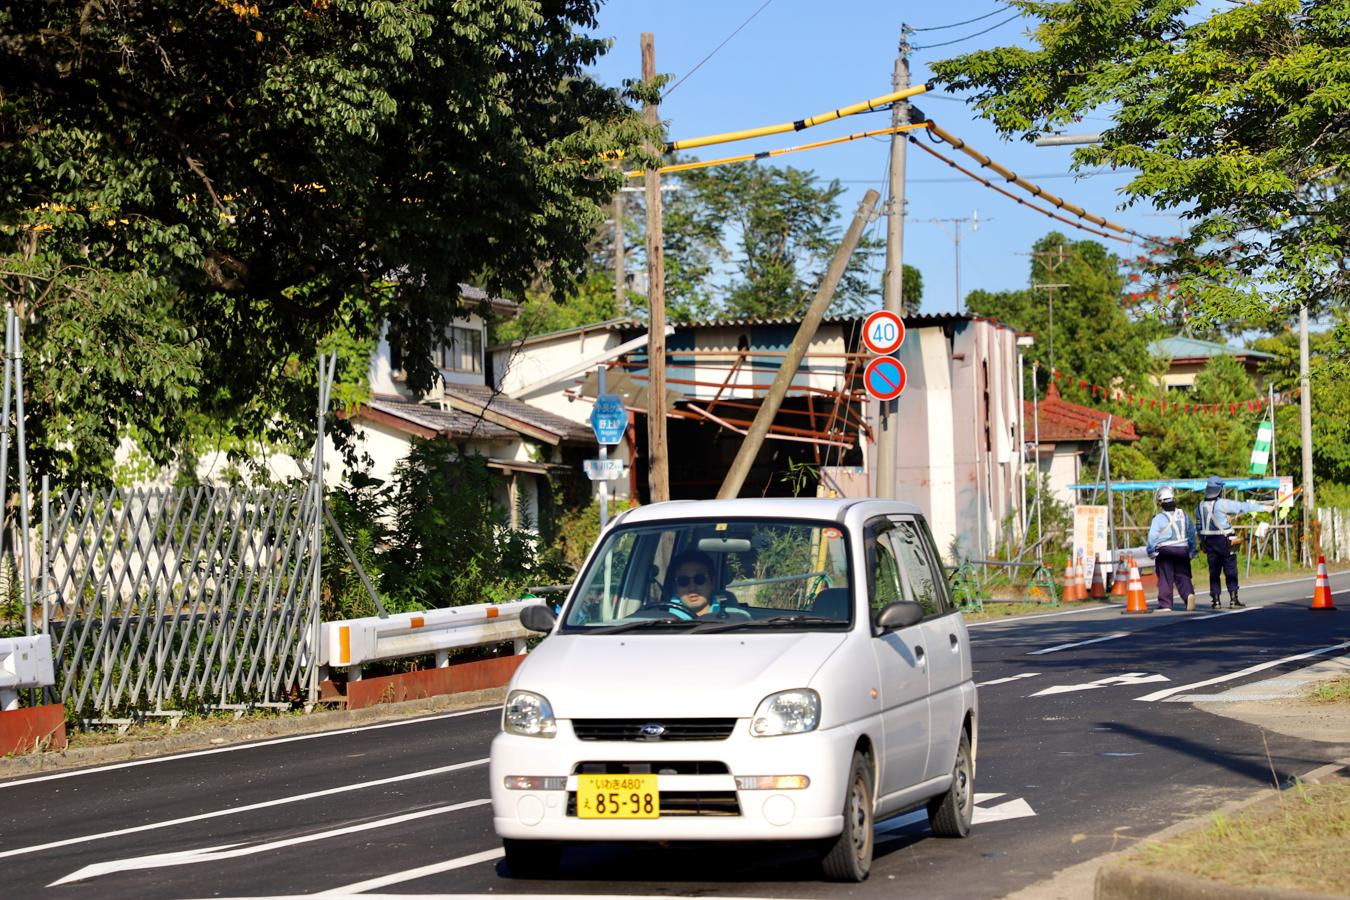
{"x":618,"y":797}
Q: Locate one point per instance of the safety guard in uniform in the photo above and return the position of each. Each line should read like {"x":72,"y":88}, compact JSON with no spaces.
{"x":1211,"y":517}
{"x":1171,"y":542}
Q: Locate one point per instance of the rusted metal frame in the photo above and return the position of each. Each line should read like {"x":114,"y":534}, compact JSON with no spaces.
{"x":731,"y":373}
{"x":730,"y":425}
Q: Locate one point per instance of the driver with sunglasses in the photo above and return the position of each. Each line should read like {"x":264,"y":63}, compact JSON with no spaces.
{"x":691,"y":584}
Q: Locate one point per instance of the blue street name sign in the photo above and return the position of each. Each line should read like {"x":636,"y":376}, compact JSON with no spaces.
{"x":609,"y":419}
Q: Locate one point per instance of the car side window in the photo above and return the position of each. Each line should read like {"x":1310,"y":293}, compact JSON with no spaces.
{"x":917,"y":568}
{"x":881,"y":563}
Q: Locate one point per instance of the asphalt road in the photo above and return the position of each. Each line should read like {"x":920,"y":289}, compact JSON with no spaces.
{"x":1086,"y":741}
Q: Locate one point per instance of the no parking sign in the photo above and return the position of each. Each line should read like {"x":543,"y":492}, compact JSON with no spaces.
{"x":884,"y":378}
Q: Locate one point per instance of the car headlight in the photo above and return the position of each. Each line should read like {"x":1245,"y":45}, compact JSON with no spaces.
{"x":529,"y":714}
{"x":787,"y":712}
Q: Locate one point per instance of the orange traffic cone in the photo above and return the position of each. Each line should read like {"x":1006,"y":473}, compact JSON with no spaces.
{"x":1098,"y":591}
{"x":1079,"y":584}
{"x":1135,"y":602}
{"x":1070,"y":589}
{"x":1322,"y":592}
{"x":1119,"y":586}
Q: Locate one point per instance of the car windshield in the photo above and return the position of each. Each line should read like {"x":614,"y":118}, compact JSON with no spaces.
{"x":702,"y":575}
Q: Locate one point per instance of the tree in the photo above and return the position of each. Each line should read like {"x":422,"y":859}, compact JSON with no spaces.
{"x":279,"y":172}
{"x":1235,"y":115}
{"x":1330,"y":408}
{"x":1092,"y":337}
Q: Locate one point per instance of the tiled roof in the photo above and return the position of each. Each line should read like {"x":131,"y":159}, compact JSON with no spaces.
{"x":448,"y":423}
{"x":481,"y":395}
{"x":1193,"y":348}
{"x":1062,"y":421}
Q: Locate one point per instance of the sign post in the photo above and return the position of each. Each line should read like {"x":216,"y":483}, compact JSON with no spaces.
{"x":609,"y":420}
{"x":884,"y":378}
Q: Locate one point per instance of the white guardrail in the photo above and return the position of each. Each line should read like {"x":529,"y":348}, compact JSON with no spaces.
{"x":25,"y":662}
{"x":352,"y":643}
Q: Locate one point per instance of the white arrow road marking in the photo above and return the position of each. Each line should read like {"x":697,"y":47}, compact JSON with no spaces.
{"x":233,"y":810}
{"x":1009,"y":678}
{"x":448,"y":865}
{"x":1110,"y":637}
{"x":1016,"y":808}
{"x":1128,"y":678}
{"x":231,"y":851}
{"x":1164,"y":694}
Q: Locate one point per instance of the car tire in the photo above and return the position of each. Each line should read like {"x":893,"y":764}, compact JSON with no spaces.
{"x":950,"y":815}
{"x":849,"y":856}
{"x":531,"y":859}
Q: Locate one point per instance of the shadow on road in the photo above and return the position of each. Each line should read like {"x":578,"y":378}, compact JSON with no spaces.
{"x":1250,"y":762}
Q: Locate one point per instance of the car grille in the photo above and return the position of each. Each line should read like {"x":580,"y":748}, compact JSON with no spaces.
{"x":645,"y":729}
{"x":645,"y":767}
{"x":685,"y":803}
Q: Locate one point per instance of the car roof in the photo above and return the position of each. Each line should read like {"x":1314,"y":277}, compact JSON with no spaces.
{"x":767,"y":508}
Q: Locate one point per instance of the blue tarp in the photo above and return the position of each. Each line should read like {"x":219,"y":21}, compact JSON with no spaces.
{"x":1184,"y":484}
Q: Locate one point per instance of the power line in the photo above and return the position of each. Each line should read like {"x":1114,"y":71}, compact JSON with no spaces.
{"x":1000,"y":9}
{"x":715,"y":49}
{"x":1016,"y":15}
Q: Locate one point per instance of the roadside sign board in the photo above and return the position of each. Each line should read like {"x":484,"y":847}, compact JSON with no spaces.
{"x":603,"y":469}
{"x":883,"y":332}
{"x":1090,"y":535}
{"x":609,"y":419}
{"x":884,"y":378}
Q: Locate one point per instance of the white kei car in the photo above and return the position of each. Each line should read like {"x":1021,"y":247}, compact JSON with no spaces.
{"x":759,"y":669}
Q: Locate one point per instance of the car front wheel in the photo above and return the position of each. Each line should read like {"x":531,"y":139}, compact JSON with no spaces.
{"x":849,"y":857}
{"x":950,"y":815}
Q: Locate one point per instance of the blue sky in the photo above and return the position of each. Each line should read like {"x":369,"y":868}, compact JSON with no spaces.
{"x":798,"y":58}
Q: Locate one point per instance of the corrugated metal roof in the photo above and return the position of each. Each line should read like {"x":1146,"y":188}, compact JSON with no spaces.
{"x":572,"y":432}
{"x":445,"y":422}
{"x":1180,"y":347}
{"x":1062,"y":421}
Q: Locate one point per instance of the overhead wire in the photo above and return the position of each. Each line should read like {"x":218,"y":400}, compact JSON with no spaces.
{"x":1016,"y":15}
{"x":672,"y":88}
{"x":765,"y":154}
{"x":1001,"y":8}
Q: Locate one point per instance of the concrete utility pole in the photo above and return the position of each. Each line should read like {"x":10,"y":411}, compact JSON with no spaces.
{"x":974,"y":220}
{"x":658,"y":473}
{"x":1312,"y":540}
{"x":893,"y":299}
{"x":1051,"y":260}
{"x":620,"y":283}
{"x":768,"y":410}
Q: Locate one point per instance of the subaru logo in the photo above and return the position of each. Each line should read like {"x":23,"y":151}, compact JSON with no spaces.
{"x":652,"y":731}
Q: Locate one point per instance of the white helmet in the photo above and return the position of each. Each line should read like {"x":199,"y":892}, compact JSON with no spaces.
{"x":1165,"y":494}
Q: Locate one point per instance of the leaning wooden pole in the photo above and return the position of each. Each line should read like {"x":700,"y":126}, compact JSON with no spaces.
{"x":658,"y":471}
{"x":754,"y":438}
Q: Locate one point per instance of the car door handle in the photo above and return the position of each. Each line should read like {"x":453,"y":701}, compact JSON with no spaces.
{"x":956,"y":645}
{"x":918,"y":653}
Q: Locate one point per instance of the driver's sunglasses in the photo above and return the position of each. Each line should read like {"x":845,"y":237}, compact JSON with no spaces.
{"x":684,"y":580}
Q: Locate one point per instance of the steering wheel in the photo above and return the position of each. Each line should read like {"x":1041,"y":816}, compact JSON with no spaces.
{"x":670,"y":607}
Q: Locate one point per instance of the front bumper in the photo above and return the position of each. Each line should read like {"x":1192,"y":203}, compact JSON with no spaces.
{"x":812,"y":812}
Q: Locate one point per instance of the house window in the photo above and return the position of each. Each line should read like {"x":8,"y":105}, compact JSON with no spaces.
{"x":464,"y":351}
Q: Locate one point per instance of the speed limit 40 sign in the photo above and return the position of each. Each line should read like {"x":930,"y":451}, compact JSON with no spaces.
{"x":883,"y":332}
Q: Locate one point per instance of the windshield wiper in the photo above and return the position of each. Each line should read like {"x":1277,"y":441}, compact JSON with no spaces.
{"x":640,"y":623}
{"x":772,"y":622}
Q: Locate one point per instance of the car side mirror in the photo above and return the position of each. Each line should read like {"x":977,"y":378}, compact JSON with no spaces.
{"x":900,"y":614}
{"x":538,"y":617}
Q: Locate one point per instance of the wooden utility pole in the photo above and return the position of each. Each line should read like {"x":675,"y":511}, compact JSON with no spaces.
{"x":1311,"y":540}
{"x":893,"y":300}
{"x":658,"y":472}
{"x":754,"y":438}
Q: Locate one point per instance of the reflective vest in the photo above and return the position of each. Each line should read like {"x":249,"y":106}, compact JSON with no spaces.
{"x":1208,"y":524}
{"x":1175,"y":535}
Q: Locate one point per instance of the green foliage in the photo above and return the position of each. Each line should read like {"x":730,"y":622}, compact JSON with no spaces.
{"x":1092,"y":337}
{"x":592,"y":301}
{"x":1234,"y":114}
{"x":238,"y":184}
{"x":579,"y":529}
{"x":451,"y":544}
{"x":1328,"y":355}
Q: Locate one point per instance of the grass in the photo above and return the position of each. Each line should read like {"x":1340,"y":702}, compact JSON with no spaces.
{"x":1295,"y":841}
{"x":1001,"y":610}
{"x":1335,"y":690}
{"x":156,"y":728}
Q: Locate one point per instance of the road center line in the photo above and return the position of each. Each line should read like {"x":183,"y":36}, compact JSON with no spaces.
{"x":1164,"y":694}
{"x":234,"y":810}
{"x":249,"y":746}
{"x":1109,"y":637}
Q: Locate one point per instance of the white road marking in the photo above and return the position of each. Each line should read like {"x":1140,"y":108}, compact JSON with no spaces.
{"x":448,"y":865}
{"x":1109,"y":637}
{"x":1127,"y":678}
{"x":233,"y":810}
{"x":1062,"y":612}
{"x":1164,"y":694}
{"x":1016,"y":808}
{"x":1006,"y":680}
{"x":232,"y":851}
{"x":233,"y":747}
